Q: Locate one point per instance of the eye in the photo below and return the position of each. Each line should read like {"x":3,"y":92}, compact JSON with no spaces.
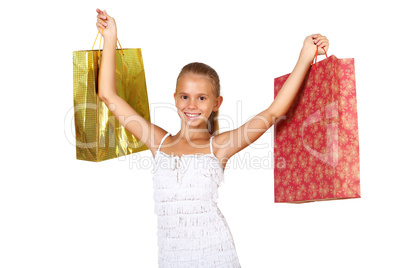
{"x":184,"y":97}
{"x":201,"y":98}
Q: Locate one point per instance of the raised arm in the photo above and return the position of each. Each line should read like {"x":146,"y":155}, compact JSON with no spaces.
{"x":141,"y":128}
{"x":233,"y":141}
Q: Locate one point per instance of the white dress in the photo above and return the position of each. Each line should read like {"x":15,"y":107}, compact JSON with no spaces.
{"x":192,"y":232}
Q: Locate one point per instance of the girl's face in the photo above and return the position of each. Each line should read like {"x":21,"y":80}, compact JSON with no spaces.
{"x":195,"y":100}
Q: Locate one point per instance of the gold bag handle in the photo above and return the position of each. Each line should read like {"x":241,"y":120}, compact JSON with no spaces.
{"x":100,"y":42}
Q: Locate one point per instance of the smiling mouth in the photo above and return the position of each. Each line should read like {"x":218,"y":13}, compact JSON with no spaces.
{"x":192,"y":115}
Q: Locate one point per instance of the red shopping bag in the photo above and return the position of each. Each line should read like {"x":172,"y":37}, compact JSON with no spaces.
{"x":316,"y":149}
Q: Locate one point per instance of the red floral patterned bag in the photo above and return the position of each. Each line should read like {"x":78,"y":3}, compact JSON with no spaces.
{"x":316,"y":142}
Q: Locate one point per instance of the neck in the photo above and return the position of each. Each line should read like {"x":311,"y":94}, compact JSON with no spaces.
{"x":190,"y":133}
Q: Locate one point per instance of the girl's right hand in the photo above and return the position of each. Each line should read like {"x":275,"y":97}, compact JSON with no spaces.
{"x":106,"y":23}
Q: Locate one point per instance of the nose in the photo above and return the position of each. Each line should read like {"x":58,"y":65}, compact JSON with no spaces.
{"x":192,"y":104}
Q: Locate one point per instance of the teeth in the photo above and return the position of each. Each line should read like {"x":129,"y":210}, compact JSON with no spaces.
{"x":192,"y":115}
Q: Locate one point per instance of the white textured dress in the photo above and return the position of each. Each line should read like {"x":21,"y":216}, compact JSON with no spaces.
{"x":192,"y":232}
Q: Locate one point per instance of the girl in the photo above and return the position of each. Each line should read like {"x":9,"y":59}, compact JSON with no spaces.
{"x":192,"y":232}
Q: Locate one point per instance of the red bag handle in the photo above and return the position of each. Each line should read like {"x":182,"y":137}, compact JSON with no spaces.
{"x":316,"y":55}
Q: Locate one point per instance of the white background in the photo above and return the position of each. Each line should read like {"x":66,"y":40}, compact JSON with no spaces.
{"x":56,"y":211}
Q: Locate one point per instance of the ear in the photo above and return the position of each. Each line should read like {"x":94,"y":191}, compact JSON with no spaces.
{"x":174,"y":96}
{"x":218,"y":103}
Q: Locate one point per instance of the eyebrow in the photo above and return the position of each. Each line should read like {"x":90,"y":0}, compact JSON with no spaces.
{"x":184,"y":93}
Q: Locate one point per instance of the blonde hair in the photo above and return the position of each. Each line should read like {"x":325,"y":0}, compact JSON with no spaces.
{"x":199,"y":68}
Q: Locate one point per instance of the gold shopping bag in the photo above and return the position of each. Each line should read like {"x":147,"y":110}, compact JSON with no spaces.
{"x":99,"y":135}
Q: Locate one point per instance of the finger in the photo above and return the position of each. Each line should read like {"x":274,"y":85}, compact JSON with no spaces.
{"x":101,"y":20}
{"x":101,"y":23}
{"x":322,"y":43}
{"x":100,"y":12}
{"x":107,"y":15}
{"x":325,"y":41}
{"x":320,"y":40}
{"x":314,"y":36}
{"x":317,"y":41}
{"x":324,"y":46}
{"x":98,"y":25}
{"x":101,"y":17}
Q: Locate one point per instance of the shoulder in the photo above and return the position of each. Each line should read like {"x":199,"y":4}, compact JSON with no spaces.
{"x":158,"y":136}
{"x":221,"y":147}
{"x":221,"y":142}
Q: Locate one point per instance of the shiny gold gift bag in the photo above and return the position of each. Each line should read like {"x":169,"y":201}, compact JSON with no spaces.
{"x":99,"y":135}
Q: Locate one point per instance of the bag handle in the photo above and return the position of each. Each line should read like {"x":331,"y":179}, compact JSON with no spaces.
{"x":316,"y":55}
{"x":100,"y":42}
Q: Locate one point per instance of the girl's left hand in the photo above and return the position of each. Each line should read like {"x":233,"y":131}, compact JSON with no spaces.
{"x":312,"y":41}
